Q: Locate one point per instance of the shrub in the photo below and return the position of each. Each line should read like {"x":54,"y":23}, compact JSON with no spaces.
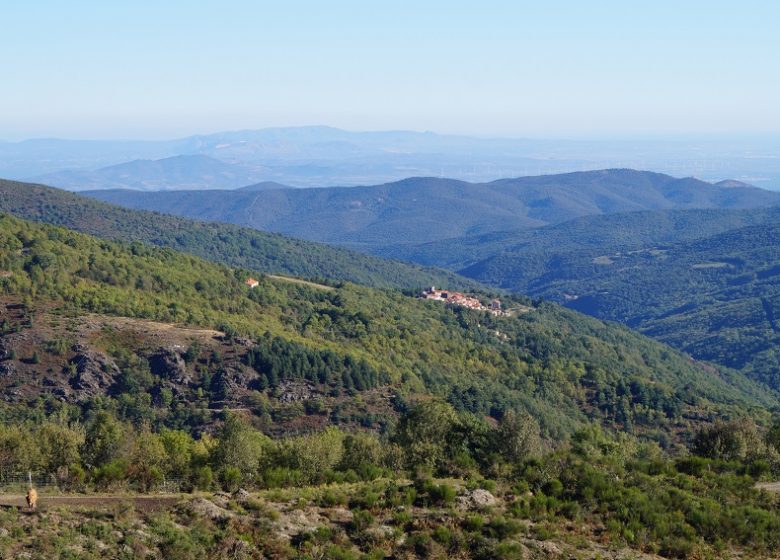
{"x":204,"y":478}
{"x":231,"y":478}
{"x":361,"y":520}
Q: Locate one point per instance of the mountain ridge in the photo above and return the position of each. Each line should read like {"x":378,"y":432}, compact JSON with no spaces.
{"x":186,"y":171}
{"x":244,"y":247}
{"x":420,"y":210}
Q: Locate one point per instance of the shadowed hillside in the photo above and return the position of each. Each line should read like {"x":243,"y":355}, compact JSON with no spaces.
{"x":420,"y":210}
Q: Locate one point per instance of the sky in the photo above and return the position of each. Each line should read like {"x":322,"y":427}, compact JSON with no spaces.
{"x":168,"y":68}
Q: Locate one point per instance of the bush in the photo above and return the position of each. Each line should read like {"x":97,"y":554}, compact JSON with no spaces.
{"x":473,"y":523}
{"x":361,"y":520}
{"x":204,"y":478}
{"x":231,"y":478}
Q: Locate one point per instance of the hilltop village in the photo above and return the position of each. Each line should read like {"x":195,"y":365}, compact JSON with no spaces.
{"x":462,"y":300}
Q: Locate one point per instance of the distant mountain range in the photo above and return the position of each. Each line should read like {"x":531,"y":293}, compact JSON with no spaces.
{"x":181,"y":172}
{"x":421,"y":210}
{"x":319,"y":156}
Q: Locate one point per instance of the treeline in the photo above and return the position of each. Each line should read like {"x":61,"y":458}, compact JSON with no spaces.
{"x":105,"y":452}
{"x":277,"y":360}
{"x":102,"y":450}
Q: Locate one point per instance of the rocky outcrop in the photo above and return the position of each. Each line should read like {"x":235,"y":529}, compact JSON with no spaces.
{"x":7,"y":369}
{"x":233,"y":382}
{"x":168,"y":363}
{"x":295,"y":390}
{"x":201,"y":507}
{"x":5,"y":349}
{"x":96,"y":373}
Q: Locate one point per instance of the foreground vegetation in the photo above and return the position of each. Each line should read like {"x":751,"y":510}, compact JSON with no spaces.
{"x":439,"y":485}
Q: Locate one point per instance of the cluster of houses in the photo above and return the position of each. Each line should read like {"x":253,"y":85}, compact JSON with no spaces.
{"x":461,"y":300}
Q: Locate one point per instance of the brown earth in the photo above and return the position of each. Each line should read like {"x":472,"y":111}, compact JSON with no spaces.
{"x":142,"y":503}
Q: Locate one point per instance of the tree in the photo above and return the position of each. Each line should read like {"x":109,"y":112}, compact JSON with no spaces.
{"x":178,"y":446}
{"x":148,"y":459}
{"x":361,"y":450}
{"x":517,"y":437}
{"x":729,"y":441}
{"x":314,"y":454}
{"x":240,"y":446}
{"x":426,"y":432}
{"x":104,"y":440}
{"x":60,"y":447}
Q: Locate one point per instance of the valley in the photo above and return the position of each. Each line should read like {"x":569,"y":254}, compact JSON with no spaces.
{"x":389,"y":281}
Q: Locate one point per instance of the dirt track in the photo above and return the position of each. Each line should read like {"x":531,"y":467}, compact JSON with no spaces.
{"x":141,"y":503}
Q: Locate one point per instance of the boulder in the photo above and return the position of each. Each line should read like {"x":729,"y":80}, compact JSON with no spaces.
{"x":5,"y":349}
{"x":7,"y":369}
{"x":476,"y":499}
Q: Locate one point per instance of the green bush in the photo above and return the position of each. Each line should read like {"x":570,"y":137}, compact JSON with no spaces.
{"x":230,"y":478}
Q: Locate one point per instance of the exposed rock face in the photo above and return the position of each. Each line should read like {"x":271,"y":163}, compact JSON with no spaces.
{"x":5,"y":349}
{"x":168,"y":363}
{"x":95,"y":372}
{"x":233,"y":382}
{"x":294,"y":390}
{"x":7,"y":369}
{"x":476,"y":499}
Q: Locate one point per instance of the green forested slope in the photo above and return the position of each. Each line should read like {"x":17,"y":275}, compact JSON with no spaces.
{"x":557,"y":365}
{"x":236,"y":246}
{"x":714,"y":296}
{"x":527,"y":254}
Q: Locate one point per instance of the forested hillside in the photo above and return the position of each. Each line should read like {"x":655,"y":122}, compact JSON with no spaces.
{"x":424,"y":209}
{"x":557,"y":365}
{"x":702,"y":281}
{"x":528,"y":254}
{"x":128,"y":367}
{"x":232,"y":245}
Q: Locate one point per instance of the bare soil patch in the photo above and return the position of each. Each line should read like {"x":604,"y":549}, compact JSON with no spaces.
{"x":142,"y":503}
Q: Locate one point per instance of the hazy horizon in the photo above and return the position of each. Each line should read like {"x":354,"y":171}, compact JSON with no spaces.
{"x":637,"y":136}
{"x":148,"y":70}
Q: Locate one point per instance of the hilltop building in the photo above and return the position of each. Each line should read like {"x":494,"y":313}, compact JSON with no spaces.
{"x":461,"y":300}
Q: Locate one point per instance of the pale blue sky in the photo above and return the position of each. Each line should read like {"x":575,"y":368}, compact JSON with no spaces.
{"x":165,"y":68}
